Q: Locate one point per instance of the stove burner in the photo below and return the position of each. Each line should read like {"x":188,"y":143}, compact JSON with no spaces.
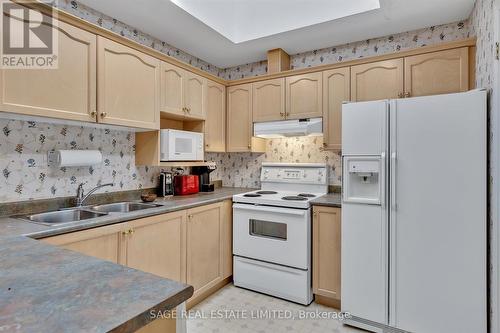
{"x":306,"y":195}
{"x":251,"y":195}
{"x":294,"y":198}
{"x":266,"y":192}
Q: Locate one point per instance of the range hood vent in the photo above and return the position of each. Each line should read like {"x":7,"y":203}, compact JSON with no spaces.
{"x":289,"y":128}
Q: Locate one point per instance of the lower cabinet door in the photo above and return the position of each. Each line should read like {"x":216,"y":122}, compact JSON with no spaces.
{"x":156,"y":245}
{"x":103,"y":243}
{"x":204,"y":247}
{"x":326,"y":252}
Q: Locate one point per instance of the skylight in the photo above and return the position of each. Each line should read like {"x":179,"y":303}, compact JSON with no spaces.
{"x":245,"y":20}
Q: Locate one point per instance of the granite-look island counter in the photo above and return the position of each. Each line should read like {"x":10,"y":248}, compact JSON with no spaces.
{"x":44,"y":288}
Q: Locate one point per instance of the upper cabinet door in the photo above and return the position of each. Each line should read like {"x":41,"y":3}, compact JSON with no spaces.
{"x":195,"y":93}
{"x":215,"y":124}
{"x":336,"y":90}
{"x":437,"y":73}
{"x":172,"y":89}
{"x":269,"y":100}
{"x":239,"y":118}
{"x":304,"y":96}
{"x":377,"y":80}
{"x":68,"y":92}
{"x":128,"y":84}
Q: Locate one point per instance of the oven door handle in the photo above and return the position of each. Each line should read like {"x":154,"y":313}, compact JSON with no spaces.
{"x":256,"y":208}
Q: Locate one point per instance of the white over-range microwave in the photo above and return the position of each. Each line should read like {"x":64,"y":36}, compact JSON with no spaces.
{"x":178,"y":145}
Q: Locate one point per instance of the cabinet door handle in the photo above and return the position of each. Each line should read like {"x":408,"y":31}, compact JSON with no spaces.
{"x":190,"y":216}
{"x":282,"y":114}
{"x":408,"y":94}
{"x":401,"y":95}
{"x":131,"y":231}
{"x":103,"y":114}
{"x":93,"y":113}
{"x":249,"y":146}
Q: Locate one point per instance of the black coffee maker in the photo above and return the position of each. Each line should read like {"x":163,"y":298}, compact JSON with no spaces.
{"x":203,"y":173}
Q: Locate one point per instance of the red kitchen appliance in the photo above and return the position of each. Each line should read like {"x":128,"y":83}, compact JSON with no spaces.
{"x":186,"y":184}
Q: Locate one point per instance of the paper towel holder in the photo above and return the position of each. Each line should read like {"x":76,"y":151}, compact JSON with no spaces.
{"x":54,"y":158}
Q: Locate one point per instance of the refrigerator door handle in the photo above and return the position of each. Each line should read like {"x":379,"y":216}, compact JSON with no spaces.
{"x":382,"y":179}
{"x":393,"y":180}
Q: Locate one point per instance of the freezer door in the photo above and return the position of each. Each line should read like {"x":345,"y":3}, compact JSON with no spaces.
{"x":364,"y":128}
{"x":364,"y":211}
{"x":438,"y":213}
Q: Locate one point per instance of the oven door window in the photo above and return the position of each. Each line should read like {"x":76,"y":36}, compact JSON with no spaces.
{"x":268,"y":229}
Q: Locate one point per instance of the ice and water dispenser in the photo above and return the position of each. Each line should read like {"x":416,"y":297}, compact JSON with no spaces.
{"x":363,"y":179}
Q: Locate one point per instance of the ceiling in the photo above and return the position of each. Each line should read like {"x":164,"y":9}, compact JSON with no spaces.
{"x":256,"y":26}
{"x":242,"y":21}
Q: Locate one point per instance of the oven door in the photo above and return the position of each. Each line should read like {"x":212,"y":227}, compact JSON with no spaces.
{"x":273,"y":234}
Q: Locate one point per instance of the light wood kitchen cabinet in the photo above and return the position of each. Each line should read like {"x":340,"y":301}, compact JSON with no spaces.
{"x":104,"y":242}
{"x":68,"y":92}
{"x":128,"y":84}
{"x":239,"y":118}
{"x":437,"y":73}
{"x":268,"y":100}
{"x":183,"y":94}
{"x":326,"y":251}
{"x":205,"y":250}
{"x":304,"y":96}
{"x":239,"y":121}
{"x":172,"y":89}
{"x":336,"y":90}
{"x":377,"y":80}
{"x":215,"y":123}
{"x":195,"y":95}
{"x":157,"y":245}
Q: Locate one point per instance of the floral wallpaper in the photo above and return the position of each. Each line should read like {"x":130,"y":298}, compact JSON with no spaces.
{"x":98,"y":18}
{"x":361,"y":49}
{"x":25,"y":174}
{"x":243,"y":169}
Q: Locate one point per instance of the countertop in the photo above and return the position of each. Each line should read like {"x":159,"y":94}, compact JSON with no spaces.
{"x":14,"y":226}
{"x":329,"y":200}
{"x":44,"y":288}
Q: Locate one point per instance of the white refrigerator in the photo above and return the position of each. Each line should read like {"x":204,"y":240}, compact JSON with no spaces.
{"x":414,"y":214}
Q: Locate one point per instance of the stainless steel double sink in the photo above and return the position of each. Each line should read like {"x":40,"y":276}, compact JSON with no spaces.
{"x":70,"y":215}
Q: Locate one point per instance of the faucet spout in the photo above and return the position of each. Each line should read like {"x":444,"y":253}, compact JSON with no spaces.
{"x":81,"y":197}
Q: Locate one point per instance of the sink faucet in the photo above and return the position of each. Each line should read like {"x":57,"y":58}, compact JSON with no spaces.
{"x":81,"y":197}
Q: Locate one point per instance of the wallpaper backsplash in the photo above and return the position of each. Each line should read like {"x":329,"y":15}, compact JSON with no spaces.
{"x":361,"y":49}
{"x":23,"y":163}
{"x":243,"y":169}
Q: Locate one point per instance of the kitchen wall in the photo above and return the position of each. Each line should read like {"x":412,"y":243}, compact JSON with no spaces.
{"x":23,"y":163}
{"x":367,"y":48}
{"x":482,"y":25}
{"x":243,"y":169}
{"x":23,"y":146}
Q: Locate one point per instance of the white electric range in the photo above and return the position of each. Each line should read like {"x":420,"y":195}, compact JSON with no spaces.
{"x":272,"y":230}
